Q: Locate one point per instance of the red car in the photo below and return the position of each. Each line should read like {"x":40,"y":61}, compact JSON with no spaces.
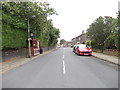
{"x":83,"y":49}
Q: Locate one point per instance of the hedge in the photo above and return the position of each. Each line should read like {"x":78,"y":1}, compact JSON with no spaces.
{"x":13,"y":38}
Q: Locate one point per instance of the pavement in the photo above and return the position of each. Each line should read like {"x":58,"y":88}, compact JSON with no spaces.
{"x":61,"y":68}
{"x":108,"y":58}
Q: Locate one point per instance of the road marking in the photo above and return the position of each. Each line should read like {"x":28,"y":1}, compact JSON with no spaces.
{"x":64,"y":72}
{"x":63,"y":56}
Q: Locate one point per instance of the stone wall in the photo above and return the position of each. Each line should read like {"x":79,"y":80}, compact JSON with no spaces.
{"x":9,"y":54}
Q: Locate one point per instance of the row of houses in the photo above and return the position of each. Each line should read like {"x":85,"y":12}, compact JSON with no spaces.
{"x":81,"y":39}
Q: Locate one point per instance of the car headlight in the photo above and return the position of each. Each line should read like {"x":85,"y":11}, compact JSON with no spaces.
{"x":90,"y":50}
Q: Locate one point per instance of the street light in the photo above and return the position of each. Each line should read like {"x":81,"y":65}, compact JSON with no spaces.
{"x":30,"y":34}
{"x":29,"y":47}
{"x":119,"y":6}
{"x":75,"y":38}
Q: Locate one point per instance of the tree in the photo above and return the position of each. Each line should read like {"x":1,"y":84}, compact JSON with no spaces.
{"x":15,"y":16}
{"x":89,"y":43}
{"x":62,"y":41}
{"x":111,"y":40}
{"x":100,"y":30}
{"x":118,"y":33}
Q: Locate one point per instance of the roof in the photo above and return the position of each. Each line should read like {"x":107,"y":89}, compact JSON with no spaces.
{"x":79,"y":35}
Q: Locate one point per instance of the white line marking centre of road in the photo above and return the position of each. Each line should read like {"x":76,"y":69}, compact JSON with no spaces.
{"x":63,"y":56}
{"x":64,"y":72}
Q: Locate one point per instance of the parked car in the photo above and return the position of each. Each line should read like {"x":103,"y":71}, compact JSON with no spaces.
{"x":82,"y":49}
{"x":71,"y":46}
{"x":58,"y":46}
{"x":74,"y":48}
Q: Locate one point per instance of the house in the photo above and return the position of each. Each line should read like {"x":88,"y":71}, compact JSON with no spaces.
{"x":67,"y":43}
{"x":73,"y":41}
{"x":81,"y":39}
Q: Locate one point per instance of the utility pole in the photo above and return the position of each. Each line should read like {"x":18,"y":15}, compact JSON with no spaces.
{"x":29,"y":47}
{"x":75,"y":39}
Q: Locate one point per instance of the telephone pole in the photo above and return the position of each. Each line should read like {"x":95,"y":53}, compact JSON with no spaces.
{"x":29,"y":46}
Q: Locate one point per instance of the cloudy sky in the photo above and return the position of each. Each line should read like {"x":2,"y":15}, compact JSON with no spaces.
{"x":76,"y":15}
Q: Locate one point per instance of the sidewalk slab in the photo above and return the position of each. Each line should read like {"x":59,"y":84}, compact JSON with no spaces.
{"x":109,"y":58}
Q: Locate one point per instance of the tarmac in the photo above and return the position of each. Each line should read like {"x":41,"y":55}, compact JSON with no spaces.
{"x":16,"y":62}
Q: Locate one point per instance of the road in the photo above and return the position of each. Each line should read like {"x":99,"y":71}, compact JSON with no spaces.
{"x":63,"y":69}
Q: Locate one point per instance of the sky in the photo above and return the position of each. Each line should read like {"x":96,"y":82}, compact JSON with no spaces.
{"x":74,"y":16}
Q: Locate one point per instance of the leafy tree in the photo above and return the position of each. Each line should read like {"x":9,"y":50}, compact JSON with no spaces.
{"x":89,"y":43}
{"x":111,"y":40}
{"x":62,"y":41}
{"x":100,"y":30}
{"x":15,"y":17}
{"x":118,"y":33}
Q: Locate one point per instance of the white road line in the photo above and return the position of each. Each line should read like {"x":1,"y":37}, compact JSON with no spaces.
{"x":63,"y":56}
{"x":64,"y":72}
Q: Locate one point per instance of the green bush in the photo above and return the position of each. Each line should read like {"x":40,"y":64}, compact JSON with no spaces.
{"x":13,"y":38}
{"x":15,"y":17}
{"x":110,"y":43}
{"x":88,"y":43}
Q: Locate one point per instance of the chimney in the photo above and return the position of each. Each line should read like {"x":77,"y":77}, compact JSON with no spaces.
{"x":83,"y":32}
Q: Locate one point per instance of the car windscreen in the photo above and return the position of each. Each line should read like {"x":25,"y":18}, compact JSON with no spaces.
{"x":83,"y":46}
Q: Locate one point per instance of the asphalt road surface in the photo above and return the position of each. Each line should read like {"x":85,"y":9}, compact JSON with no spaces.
{"x":63,"y":69}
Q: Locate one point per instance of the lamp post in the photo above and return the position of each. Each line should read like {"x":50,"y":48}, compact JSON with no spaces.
{"x":30,"y":34}
{"x":29,"y":46}
{"x":75,"y":39}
